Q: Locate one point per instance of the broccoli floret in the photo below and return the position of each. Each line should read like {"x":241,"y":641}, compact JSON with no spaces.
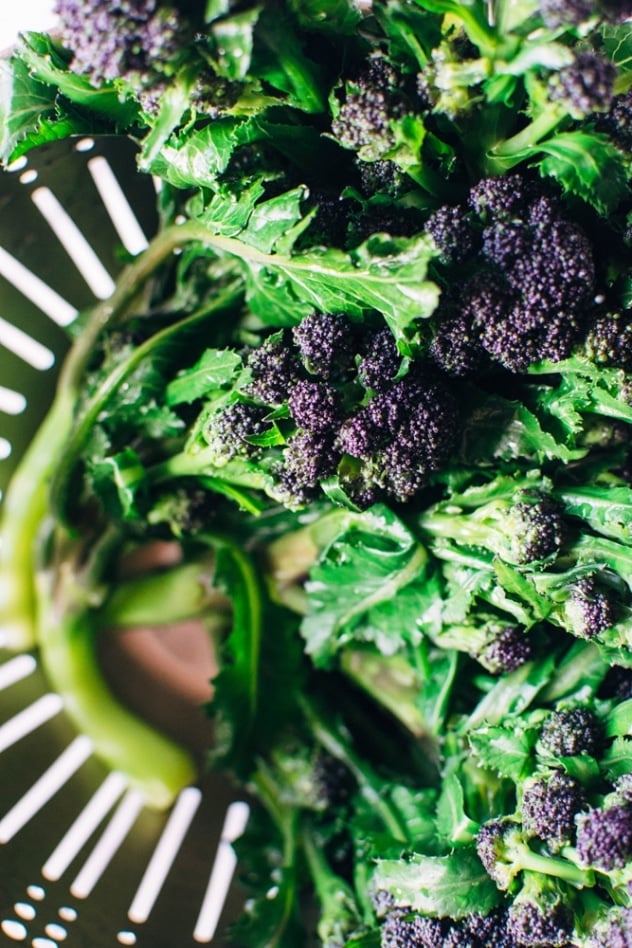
{"x":451,"y":229}
{"x":489,"y":930}
{"x":549,"y":806}
{"x":586,"y":85}
{"x":228,"y":431}
{"x":311,"y":778}
{"x":511,"y":648}
{"x":504,"y":852}
{"x":274,"y":368}
{"x":416,"y":425}
{"x":589,"y":609}
{"x":500,"y":198}
{"x":566,"y":12}
{"x":402,"y":929}
{"x":609,"y":340}
{"x":380,"y":360}
{"x":572,"y":731}
{"x":314,"y":405}
{"x":133,"y":41}
{"x":308,"y":458}
{"x":372,"y":99}
{"x":612,"y":931}
{"x":521,"y":525}
{"x":604,"y":837}
{"x":455,"y":345}
{"x":531,"y":301}
{"x":326,"y":344}
{"x":573,"y":12}
{"x":618,"y":120}
{"x":381,"y":177}
{"x":403,"y":434}
{"x":540,"y":914}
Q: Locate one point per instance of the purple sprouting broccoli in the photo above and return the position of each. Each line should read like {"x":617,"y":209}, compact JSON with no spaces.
{"x":372,"y":99}
{"x":406,"y":929}
{"x":574,"y":12}
{"x":504,"y":850}
{"x":550,"y":804}
{"x":572,"y":731}
{"x":380,"y":360}
{"x":614,"y":930}
{"x":609,"y":340}
{"x":309,"y":458}
{"x":589,"y":610}
{"x":586,"y":85}
{"x":541,"y":915}
{"x":451,"y":229}
{"x":326,"y":344}
{"x":510,"y":649}
{"x":455,"y":345}
{"x":500,"y":198}
{"x":315,"y":405}
{"x":275,"y":368}
{"x":227,"y":432}
{"x":135,"y":40}
{"x":604,"y":837}
{"x":617,"y":122}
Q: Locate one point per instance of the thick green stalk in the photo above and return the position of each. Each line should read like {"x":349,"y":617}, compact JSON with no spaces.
{"x":26,"y":500}
{"x":183,"y":592}
{"x":151,"y":762}
{"x":508,"y":153}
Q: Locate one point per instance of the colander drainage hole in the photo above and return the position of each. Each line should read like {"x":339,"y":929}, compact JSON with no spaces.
{"x":56,"y":932}
{"x":25,"y":911}
{"x":16,"y":931}
{"x":126,"y":938}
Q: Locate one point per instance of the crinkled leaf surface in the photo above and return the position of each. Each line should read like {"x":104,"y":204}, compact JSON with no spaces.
{"x":367,"y":586}
{"x":438,"y":885}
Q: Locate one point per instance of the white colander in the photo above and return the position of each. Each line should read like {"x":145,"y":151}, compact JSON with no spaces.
{"x":83,"y":862}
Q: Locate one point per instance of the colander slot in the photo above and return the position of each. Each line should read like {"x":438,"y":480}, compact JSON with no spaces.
{"x":164,"y":854}
{"x":25,"y":347}
{"x":12,"y":402}
{"x":84,"y":826}
{"x":222,"y":873}
{"x":52,"y":780}
{"x":86,"y":260}
{"x":16,"y":669}
{"x":28,"y":720}
{"x":108,"y":845}
{"x":116,"y":204}
{"x":36,"y":290}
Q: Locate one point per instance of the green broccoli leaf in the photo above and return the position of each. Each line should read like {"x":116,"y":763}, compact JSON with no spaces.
{"x":438,"y":885}
{"x":588,"y":165}
{"x":617,"y":43}
{"x":384,"y":274}
{"x":505,"y":750}
{"x":351,"y":591}
{"x":214,"y":369}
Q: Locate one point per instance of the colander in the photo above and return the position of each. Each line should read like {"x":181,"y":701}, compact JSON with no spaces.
{"x":84,"y":863}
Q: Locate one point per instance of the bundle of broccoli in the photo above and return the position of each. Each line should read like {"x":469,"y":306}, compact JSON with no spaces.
{"x":381,"y":397}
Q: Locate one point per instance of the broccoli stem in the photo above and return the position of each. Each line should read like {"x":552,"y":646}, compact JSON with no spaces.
{"x":368,"y":782}
{"x":151,"y":762}
{"x":26,"y":500}
{"x":507,"y":154}
{"x":166,"y":596}
{"x":338,"y":909}
{"x":285,"y":818}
